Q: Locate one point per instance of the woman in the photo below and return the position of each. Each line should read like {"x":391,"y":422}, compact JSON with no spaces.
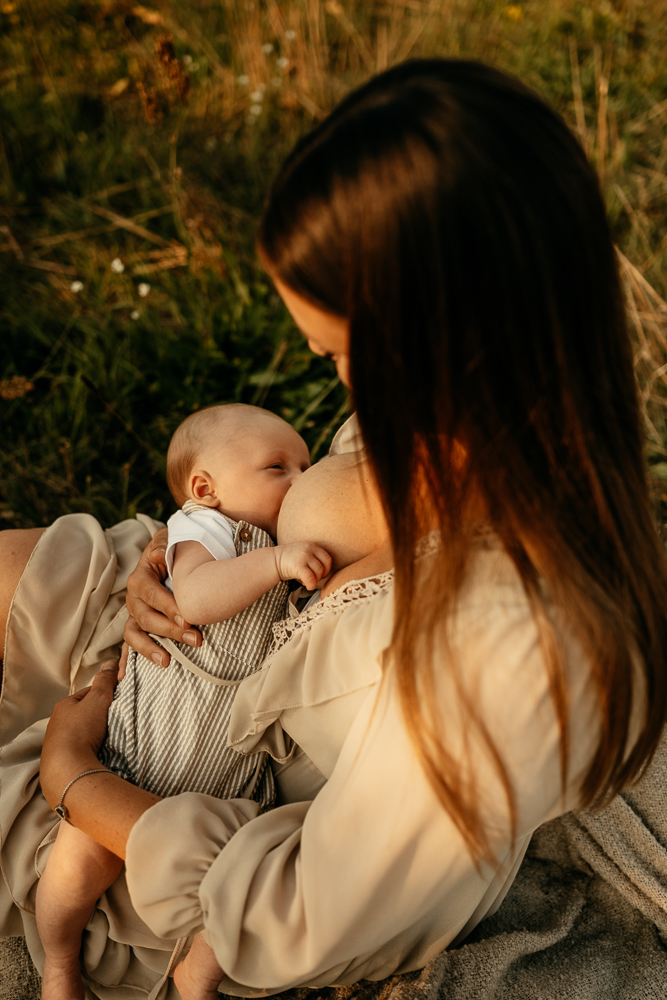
{"x":442,"y":236}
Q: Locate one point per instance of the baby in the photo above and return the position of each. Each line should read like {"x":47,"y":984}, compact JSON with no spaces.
{"x":229,"y":467}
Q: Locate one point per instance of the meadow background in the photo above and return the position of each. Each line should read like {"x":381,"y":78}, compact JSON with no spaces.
{"x":136,"y":146}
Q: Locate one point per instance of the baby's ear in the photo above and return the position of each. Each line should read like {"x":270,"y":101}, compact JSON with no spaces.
{"x":202,"y":489}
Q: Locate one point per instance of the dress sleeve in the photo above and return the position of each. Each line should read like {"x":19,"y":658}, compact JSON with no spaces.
{"x":347,"y":438}
{"x":373,"y":877}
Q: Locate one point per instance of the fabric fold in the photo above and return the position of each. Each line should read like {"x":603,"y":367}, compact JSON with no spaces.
{"x":626,"y":843}
{"x":59,"y":636}
{"x":292,"y":695}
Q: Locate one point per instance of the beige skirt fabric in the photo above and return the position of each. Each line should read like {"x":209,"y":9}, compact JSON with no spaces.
{"x":68,"y":614}
{"x":66,"y":619}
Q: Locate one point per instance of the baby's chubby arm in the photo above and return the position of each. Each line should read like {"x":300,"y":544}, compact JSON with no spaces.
{"x":209,"y":590}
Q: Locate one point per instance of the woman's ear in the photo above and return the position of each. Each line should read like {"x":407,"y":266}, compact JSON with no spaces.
{"x":202,"y":488}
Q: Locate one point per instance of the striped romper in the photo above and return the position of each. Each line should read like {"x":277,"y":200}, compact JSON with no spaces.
{"x":167,"y":728}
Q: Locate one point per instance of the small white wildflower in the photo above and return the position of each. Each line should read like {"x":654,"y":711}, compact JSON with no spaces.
{"x":143,"y":289}
{"x":187,"y":59}
{"x":210,"y":144}
{"x":255,"y":109}
{"x":290,"y":35}
{"x":267,"y":47}
{"x":282,"y":63}
{"x":243,"y":80}
{"x":257,"y":95}
{"x":117,"y":265}
{"x":134,"y":314}
{"x":76,"y":286}
{"x":276,"y":81}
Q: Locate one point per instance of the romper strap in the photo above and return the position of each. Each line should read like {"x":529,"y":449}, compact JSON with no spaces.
{"x":172,"y":648}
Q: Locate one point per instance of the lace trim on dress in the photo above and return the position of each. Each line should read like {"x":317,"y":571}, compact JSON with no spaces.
{"x":349,"y":593}
{"x":352,"y":593}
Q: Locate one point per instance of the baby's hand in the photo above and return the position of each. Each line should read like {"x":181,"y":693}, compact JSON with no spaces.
{"x":302,"y":561}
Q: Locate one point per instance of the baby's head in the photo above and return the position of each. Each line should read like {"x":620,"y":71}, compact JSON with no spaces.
{"x":238,"y":459}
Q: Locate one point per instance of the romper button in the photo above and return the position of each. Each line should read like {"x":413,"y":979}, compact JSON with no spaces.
{"x":245,"y":535}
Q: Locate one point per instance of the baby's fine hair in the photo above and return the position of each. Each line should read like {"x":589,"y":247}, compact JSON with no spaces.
{"x":191,"y":437}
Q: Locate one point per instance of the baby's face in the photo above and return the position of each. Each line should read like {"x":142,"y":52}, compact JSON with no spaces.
{"x":252,"y":470}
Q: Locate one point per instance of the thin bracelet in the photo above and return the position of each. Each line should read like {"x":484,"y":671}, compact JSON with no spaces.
{"x":60,"y":808}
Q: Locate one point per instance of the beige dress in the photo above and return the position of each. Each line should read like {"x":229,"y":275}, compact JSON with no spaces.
{"x":360,"y":874}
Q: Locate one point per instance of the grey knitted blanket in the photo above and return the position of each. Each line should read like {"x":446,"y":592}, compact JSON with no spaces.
{"x":586,"y":919}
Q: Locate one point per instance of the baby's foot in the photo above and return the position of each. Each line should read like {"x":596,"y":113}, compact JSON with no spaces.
{"x":61,"y":980}
{"x":193,"y":983}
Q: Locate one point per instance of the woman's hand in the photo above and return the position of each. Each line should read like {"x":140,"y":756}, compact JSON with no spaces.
{"x":152,"y":608}
{"x":75,"y":734}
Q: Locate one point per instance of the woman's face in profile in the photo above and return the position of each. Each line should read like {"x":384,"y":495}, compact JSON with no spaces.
{"x":326,"y":333}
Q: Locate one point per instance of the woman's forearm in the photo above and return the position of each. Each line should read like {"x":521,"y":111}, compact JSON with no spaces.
{"x":102,"y":805}
{"x":105,"y":806}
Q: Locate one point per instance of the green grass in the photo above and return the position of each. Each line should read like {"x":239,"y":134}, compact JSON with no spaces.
{"x":110,"y":151}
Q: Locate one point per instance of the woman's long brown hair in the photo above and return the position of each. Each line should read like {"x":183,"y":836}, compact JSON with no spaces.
{"x":452,"y":217}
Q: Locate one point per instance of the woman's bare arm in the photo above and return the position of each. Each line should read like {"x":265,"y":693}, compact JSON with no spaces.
{"x":102,"y":805}
{"x":152,"y":608}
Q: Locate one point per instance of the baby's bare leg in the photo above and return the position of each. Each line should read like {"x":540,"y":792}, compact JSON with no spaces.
{"x":77,"y":873}
{"x":198,"y":975}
